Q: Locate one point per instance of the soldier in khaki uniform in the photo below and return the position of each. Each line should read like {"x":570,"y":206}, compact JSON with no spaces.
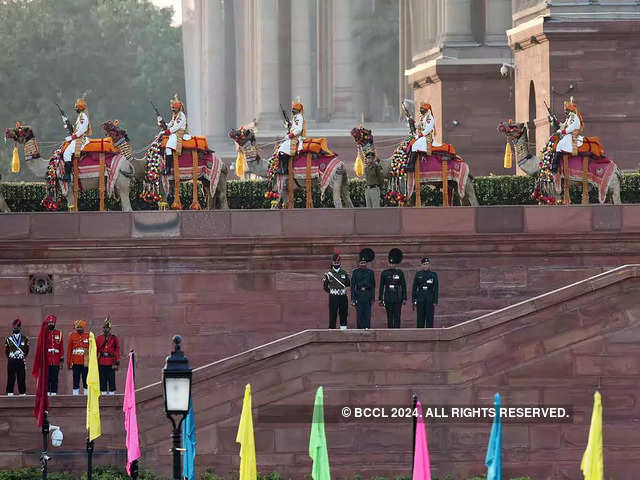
{"x":373,"y":177}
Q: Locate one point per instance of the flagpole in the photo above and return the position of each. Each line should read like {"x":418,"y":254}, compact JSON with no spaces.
{"x":414,"y":403}
{"x":44,"y":457}
{"x":134,"y":464}
{"x":89,"y":458}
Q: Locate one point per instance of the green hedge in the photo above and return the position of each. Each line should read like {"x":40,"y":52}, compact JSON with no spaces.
{"x":111,"y":473}
{"x":493,"y":190}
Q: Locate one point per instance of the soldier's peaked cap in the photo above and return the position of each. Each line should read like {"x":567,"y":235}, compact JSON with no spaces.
{"x":395,"y":255}
{"x":367,"y":255}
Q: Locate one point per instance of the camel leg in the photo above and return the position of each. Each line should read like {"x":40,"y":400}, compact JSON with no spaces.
{"x":123,"y":185}
{"x":336,"y":188}
{"x":614,"y":190}
{"x":3,"y":205}
{"x":469,"y":198}
{"x":207,"y":195}
{"x":344,"y":189}
{"x":221,"y":192}
{"x":70,"y":195}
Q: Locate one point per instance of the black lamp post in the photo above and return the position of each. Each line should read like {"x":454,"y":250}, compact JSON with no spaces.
{"x":176,"y":383}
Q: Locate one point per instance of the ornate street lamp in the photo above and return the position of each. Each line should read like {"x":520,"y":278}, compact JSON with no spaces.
{"x":176,"y":383}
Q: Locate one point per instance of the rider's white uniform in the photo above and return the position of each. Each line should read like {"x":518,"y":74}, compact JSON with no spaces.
{"x":428,"y":123}
{"x":297,"y":123}
{"x":80,"y":128}
{"x":178,"y":122}
{"x":571,"y":124}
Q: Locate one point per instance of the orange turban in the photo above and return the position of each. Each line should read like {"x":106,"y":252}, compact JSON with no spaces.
{"x":297,"y":106}
{"x":425,"y":106}
{"x":80,"y":324}
{"x":81,"y":104}
{"x":176,"y":104}
{"x":570,"y":105}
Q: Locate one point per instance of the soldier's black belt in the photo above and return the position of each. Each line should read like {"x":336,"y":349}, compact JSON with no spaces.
{"x":364,"y":289}
{"x":373,"y":186}
{"x":106,"y":355}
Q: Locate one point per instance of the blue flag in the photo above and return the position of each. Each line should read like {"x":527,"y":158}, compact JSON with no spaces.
{"x":189,"y":444}
{"x":493,"y":461}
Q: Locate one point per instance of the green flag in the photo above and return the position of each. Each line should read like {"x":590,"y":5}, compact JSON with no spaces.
{"x":318,"y":442}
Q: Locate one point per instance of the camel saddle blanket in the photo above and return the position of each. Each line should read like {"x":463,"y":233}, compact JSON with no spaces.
{"x":194,"y":143}
{"x":600,"y":172}
{"x":97,"y":145}
{"x":322,"y":166}
{"x":209,"y":168}
{"x":591,"y":147}
{"x":446,"y":149}
{"x":315,"y":145}
{"x":89,"y":167}
{"x":431,"y":172}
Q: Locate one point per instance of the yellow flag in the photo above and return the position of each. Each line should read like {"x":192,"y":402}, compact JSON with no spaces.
{"x":507,"y":156}
{"x":15,"y":161}
{"x":359,"y":166}
{"x":592,"y":465}
{"x":241,"y":164}
{"x":93,"y":396}
{"x":248,"y":468}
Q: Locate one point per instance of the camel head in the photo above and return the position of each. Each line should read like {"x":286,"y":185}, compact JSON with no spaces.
{"x":19,"y":134}
{"x":512,"y":130}
{"x":242,"y":135}
{"x":362,"y":136}
{"x":117,"y":134}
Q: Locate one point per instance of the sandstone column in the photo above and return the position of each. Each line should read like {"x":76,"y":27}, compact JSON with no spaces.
{"x":347,"y":102}
{"x":457,"y":23}
{"x":301,"y":68}
{"x":268,"y":57}
{"x":214,"y":74}
{"x":192,"y":49}
{"x":497,"y":22}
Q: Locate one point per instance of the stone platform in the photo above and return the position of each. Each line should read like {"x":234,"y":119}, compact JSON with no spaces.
{"x":551,"y":350}
{"x":231,"y":281}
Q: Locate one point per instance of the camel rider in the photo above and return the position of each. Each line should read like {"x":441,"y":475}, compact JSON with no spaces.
{"x":292,"y":143}
{"x":178,"y":130}
{"x":425,"y":134}
{"x":569,"y":133}
{"x":79,"y":138}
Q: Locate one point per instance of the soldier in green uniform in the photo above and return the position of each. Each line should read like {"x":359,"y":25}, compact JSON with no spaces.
{"x":424,"y":294}
{"x":363,"y":288}
{"x":393,"y":289}
{"x":335,"y":283}
{"x":373,"y":176}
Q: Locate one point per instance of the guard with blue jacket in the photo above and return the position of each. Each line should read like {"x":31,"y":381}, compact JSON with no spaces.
{"x":393,"y":289}
{"x":363,"y":288}
{"x":424,"y":294}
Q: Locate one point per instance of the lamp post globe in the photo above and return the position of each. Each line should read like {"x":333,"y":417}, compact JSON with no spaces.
{"x":176,"y":387}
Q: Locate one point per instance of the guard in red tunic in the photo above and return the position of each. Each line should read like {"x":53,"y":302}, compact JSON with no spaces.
{"x":108,"y":346}
{"x":55,"y":354}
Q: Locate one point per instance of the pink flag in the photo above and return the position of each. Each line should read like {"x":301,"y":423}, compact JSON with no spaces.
{"x":130,"y":418}
{"x":421,"y":463}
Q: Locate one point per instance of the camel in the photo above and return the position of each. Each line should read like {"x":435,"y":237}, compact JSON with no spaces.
{"x":603,"y":174}
{"x":364,"y":142}
{"x":120,"y":179}
{"x":334,"y":174}
{"x":212,"y":173}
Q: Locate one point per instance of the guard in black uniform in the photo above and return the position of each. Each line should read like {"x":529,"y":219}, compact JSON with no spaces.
{"x":393,"y":289}
{"x":16,"y":347}
{"x":424,"y":294}
{"x":335,"y":283}
{"x":363,"y":288}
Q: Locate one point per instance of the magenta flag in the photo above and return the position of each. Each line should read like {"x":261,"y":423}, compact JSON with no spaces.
{"x":421,"y":462}
{"x":130,"y":418}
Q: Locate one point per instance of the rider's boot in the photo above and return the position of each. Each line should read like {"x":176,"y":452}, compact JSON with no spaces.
{"x":554,"y":161}
{"x":411,"y":164}
{"x":67,"y":172}
{"x":168,"y":164}
{"x":284,"y":162}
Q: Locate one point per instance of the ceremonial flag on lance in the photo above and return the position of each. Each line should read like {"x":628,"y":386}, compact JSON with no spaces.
{"x":41,"y":374}
{"x":248,"y":468}
{"x":592,"y":465}
{"x":189,"y":445}
{"x":130,"y":417}
{"x":493,"y":461}
{"x":93,"y":397}
{"x":421,"y":462}
{"x":318,"y":441}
